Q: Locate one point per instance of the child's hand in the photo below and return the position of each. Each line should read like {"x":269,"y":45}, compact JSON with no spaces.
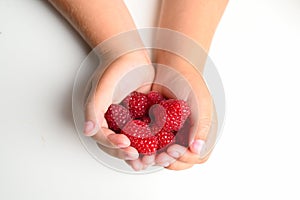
{"x":102,"y":94}
{"x":93,"y":21}
{"x":203,"y":122}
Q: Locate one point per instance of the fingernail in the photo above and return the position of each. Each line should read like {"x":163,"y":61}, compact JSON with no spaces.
{"x":116,"y":142}
{"x":174,"y":154}
{"x":197,"y":146}
{"x":89,"y":128}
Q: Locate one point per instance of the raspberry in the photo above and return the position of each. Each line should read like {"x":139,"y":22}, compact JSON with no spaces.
{"x":155,"y":129}
{"x":164,"y":138}
{"x":170,"y":114}
{"x":116,"y":116}
{"x":182,"y":136}
{"x":154,"y":97}
{"x":146,"y":119}
{"x":140,"y":137}
{"x":150,"y":130}
{"x":137,"y":104}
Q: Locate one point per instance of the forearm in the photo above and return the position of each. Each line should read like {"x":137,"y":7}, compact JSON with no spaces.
{"x":198,"y":19}
{"x":96,"y":20}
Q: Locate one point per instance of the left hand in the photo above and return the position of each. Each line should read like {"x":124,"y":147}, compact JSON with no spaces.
{"x":203,"y":123}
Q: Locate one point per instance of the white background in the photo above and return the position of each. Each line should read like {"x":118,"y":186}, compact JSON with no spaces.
{"x":256,"y":49}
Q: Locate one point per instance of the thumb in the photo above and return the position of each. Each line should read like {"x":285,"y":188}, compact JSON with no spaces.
{"x":97,"y":102}
{"x":94,"y":109}
{"x":91,"y":124}
{"x":204,"y":128}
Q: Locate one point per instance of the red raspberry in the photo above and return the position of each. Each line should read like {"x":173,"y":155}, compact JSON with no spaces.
{"x":155,"y":129}
{"x":170,"y":114}
{"x":164,"y":138}
{"x":116,"y":116}
{"x":137,"y":104}
{"x":140,"y":137}
{"x":182,"y":136}
{"x":154,"y":97}
{"x":146,"y":119}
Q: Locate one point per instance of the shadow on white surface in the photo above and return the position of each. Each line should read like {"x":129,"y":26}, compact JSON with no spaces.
{"x":66,"y":107}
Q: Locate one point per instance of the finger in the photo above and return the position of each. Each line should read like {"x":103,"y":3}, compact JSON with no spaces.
{"x":110,"y":139}
{"x":91,"y":125}
{"x":120,"y":140}
{"x":201,"y":119}
{"x":136,"y":165}
{"x":206,"y":133}
{"x":191,"y":158}
{"x":128,"y":153}
{"x":163,"y":159}
{"x":148,"y":160}
{"x":179,"y":166}
{"x":95,"y":105}
{"x":95,"y":124}
{"x":183,"y":154}
{"x":176,"y":151}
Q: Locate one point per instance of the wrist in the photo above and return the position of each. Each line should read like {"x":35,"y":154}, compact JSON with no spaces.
{"x":178,"y":63}
{"x":126,"y":44}
{"x":139,"y":56}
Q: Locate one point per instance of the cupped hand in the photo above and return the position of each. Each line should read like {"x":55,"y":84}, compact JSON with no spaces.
{"x":203,"y":121}
{"x":106,"y":89}
{"x":111,"y":86}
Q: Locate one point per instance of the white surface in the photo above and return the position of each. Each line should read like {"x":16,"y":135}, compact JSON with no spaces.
{"x":256,"y":49}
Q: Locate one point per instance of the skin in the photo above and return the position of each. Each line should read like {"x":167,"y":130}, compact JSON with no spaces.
{"x":197,"y":19}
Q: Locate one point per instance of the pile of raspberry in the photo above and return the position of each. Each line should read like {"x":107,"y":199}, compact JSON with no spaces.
{"x":150,"y":121}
